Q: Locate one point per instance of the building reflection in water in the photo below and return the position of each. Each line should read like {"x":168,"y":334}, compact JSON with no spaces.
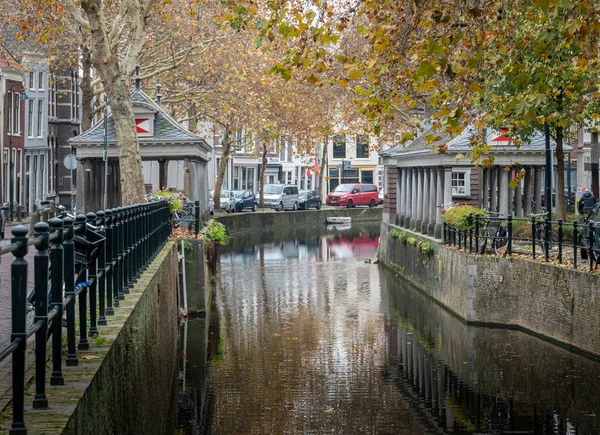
{"x":305,"y":336}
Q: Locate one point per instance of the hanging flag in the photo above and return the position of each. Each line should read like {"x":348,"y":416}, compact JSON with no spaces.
{"x":316,"y":168}
{"x":308,"y":173}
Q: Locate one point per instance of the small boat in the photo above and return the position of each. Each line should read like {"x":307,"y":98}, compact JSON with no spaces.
{"x":338,"y":227}
{"x":339,"y":220}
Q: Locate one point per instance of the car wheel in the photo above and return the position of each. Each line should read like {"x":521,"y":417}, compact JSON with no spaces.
{"x":254,"y":207}
{"x":281,"y":206}
{"x":372,"y":203}
{"x":319,"y":205}
{"x":350,"y":204}
{"x":295,"y":206}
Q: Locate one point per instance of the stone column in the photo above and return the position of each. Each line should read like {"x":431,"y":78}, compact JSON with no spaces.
{"x":163,"y":168}
{"x":439,"y":191}
{"x":537,"y":189}
{"x":413,"y":199}
{"x":486,"y":188}
{"x":419,"y":220}
{"x":493,"y":188}
{"x":503,"y":192}
{"x":425,"y":201}
{"x":401,"y":195}
{"x":527,"y":192}
{"x":511,"y":194}
{"x":432,"y":200}
{"x":519,"y":199}
{"x":447,"y":184}
{"x":408,"y":198}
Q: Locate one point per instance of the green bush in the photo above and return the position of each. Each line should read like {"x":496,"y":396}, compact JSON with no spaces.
{"x":462,"y":217}
{"x":217,"y":233}
{"x":403,"y":237}
{"x":175,"y":203}
{"x":426,"y":248}
{"x":398,"y":235}
{"x":411,"y":241}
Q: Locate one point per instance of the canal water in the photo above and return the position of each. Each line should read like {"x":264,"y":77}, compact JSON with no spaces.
{"x":306,"y":334}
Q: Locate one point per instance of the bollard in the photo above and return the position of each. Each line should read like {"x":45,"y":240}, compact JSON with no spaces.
{"x":81,"y":278}
{"x":93,"y":288}
{"x":197,"y":217}
{"x":56,"y":299}
{"x":69,"y":274}
{"x":18,"y":284}
{"x":509,"y":235}
{"x":101,"y":222}
{"x":109,"y":267}
{"x":40,"y":269}
{"x":533,"y":236}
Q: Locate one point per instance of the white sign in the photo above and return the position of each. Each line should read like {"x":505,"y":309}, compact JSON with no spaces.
{"x":70,"y":161}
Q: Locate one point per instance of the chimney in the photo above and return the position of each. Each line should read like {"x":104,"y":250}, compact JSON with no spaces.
{"x":137,"y":77}
{"x":158,"y":94}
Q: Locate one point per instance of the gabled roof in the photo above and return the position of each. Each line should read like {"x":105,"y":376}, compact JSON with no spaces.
{"x":462,"y":143}
{"x":7,"y":60}
{"x":166,"y":129}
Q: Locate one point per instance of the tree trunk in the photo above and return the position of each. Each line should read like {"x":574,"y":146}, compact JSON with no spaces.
{"x":322,"y":167}
{"x":86,"y":88}
{"x":560,"y":178}
{"x":115,"y":85}
{"x":265,"y":150}
{"x":226,"y":146}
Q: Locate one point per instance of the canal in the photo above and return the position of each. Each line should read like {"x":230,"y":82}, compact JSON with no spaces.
{"x":306,"y":334}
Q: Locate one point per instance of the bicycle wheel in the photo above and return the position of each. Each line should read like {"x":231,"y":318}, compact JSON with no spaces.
{"x":500,"y":241}
{"x":483,"y":241}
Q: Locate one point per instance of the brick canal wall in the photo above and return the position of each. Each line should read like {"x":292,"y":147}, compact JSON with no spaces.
{"x":123,"y":384}
{"x":237,"y":223}
{"x":559,"y":304}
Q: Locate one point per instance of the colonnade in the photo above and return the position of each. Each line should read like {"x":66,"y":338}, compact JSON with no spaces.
{"x":420,"y":192}
{"x":498,"y":196}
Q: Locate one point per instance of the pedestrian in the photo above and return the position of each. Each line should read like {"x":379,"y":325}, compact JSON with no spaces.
{"x":586,"y":202}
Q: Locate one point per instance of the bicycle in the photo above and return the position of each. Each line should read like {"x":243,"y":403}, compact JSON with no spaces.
{"x":593,"y":249}
{"x":499,"y":239}
{"x":540,"y":230}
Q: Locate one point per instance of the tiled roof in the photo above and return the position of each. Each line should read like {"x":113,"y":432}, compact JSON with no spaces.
{"x":7,"y":60}
{"x":462,"y":143}
{"x":166,"y":129}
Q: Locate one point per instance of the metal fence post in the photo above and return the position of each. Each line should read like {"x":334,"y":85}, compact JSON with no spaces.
{"x":81,"y":278}
{"x":56,"y":299}
{"x":69,"y":273}
{"x":444,"y":228}
{"x":117,"y":243}
{"x":137,"y":243}
{"x":40,"y":269}
{"x":18,"y":284}
{"x":575,"y":237}
{"x":591,"y":245}
{"x":476,"y":234}
{"x":126,"y":237}
{"x":101,"y":222}
{"x":93,"y":289}
{"x":533,"y":236}
{"x":197,"y":216}
{"x":547,"y":237}
{"x":509,"y":229}
{"x":108,"y":263}
{"x":560,"y":238}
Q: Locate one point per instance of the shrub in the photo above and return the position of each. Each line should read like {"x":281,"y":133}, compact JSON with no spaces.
{"x":459,"y":217}
{"x":402,"y":237}
{"x":426,"y":248}
{"x":175,"y":202}
{"x":216,"y":236}
{"x":411,"y":241}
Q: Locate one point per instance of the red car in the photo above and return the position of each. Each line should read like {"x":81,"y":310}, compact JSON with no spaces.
{"x":351,"y":195}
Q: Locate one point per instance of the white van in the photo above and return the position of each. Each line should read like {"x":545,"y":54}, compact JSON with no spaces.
{"x":281,"y":196}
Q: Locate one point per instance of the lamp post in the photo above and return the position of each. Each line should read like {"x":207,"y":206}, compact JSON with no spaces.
{"x":11,"y":200}
{"x":548,"y":183}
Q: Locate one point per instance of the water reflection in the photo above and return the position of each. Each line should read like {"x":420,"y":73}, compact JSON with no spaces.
{"x":305,"y":335}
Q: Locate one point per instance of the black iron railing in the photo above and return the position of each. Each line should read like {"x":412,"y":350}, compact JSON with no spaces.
{"x":95,"y":258}
{"x":564,"y":242}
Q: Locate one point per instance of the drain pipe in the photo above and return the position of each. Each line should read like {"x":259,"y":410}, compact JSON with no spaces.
{"x":182,"y":259}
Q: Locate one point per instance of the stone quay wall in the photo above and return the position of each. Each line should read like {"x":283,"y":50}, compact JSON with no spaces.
{"x":238,"y":223}
{"x":556,"y":303}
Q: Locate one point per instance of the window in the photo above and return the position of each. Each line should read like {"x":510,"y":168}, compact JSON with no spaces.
{"x":41,"y":80}
{"x":461,"y":182}
{"x":31,"y":80}
{"x":366,"y":177}
{"x":16,"y":116}
{"x":39,"y":117}
{"x":362,"y":146}
{"x":30,"y":122}
{"x":339,"y":146}
{"x":368,"y":188}
{"x":10,"y":113}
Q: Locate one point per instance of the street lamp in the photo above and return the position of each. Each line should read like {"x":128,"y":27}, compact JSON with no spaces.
{"x":23,"y":96}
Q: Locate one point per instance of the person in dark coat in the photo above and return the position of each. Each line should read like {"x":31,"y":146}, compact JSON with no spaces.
{"x":586,"y":202}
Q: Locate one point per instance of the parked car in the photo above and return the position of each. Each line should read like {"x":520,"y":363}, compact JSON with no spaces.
{"x":281,"y":196}
{"x":351,"y":195}
{"x":308,"y":199}
{"x":244,"y":199}
{"x":211,"y":203}
{"x":227,"y":201}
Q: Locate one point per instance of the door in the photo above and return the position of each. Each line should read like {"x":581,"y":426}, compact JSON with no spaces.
{"x":356,"y":196}
{"x":287,"y":198}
